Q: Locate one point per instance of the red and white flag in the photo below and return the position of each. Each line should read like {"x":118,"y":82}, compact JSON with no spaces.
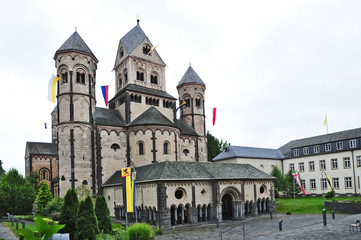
{"x":299,"y":183}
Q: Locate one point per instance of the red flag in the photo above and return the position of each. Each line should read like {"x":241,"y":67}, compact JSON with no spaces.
{"x":299,"y":183}
{"x":214,"y":116}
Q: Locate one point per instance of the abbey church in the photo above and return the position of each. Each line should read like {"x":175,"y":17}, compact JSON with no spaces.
{"x":176,"y":183}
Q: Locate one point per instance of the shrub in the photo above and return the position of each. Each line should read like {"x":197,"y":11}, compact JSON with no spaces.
{"x":69,"y":213}
{"x":330,"y":194}
{"x":87,"y":225}
{"x":44,"y":231}
{"x":140,"y":231}
{"x":55,"y":216}
{"x":44,"y":196}
{"x":119,"y":234}
{"x":54,"y":206}
{"x":103,"y":215}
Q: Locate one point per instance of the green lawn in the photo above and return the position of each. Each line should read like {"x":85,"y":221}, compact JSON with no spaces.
{"x":31,"y":227}
{"x":304,"y":204}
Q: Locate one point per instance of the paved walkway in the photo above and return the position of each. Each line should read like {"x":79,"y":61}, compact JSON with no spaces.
{"x":6,"y":233}
{"x":297,"y":226}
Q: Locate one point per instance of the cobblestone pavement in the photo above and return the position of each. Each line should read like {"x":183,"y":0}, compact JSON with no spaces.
{"x":6,"y":233}
{"x":297,"y":226}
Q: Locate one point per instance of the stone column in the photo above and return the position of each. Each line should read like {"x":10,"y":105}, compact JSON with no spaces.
{"x":182,"y":215}
{"x":219,"y":211}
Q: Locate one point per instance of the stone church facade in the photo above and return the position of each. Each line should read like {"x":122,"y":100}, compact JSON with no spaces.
{"x":175,"y":182}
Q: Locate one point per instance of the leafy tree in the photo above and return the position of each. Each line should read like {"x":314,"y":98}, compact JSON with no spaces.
{"x":43,"y":198}
{"x":215,"y":146}
{"x":16,"y":194}
{"x":280,"y":182}
{"x":69,"y":213}
{"x":103,"y":215}
{"x":290,"y":181}
{"x":34,"y":180}
{"x":87,"y":224}
{"x":2,"y":171}
{"x":54,"y":206}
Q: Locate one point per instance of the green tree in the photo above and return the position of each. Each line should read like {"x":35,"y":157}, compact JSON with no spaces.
{"x":16,"y":194}
{"x":292,"y":186}
{"x":2,"y":171}
{"x":280,"y":182}
{"x":34,"y":180}
{"x":43,"y":198}
{"x":103,"y":215}
{"x":87,"y":224}
{"x":215,"y":146}
{"x":69,"y":213}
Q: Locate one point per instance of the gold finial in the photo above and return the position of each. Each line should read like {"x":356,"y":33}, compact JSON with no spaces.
{"x":137,"y":19}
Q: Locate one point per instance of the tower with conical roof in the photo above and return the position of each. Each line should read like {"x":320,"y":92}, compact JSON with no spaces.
{"x":191,"y":89}
{"x":76,"y":67}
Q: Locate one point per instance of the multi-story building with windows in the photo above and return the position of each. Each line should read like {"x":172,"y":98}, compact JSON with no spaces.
{"x":338,"y":154}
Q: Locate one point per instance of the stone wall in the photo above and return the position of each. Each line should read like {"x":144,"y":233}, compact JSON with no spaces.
{"x":349,"y":208}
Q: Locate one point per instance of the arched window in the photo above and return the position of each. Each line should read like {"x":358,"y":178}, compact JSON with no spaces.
{"x":186,"y":152}
{"x":125,"y":73}
{"x":44,"y":174}
{"x":198,"y":102}
{"x":154,"y":79}
{"x":188,"y":101}
{"x":141,"y":148}
{"x":80,"y":77}
{"x":140,"y":76}
{"x":120,"y":82}
{"x":64,"y":76}
{"x":146,"y":49}
{"x":121,"y":52}
{"x":166,"y":149}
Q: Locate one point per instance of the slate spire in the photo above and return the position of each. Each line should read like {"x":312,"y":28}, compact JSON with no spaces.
{"x":190,"y":77}
{"x":75,"y":43}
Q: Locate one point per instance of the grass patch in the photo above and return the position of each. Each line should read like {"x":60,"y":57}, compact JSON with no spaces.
{"x":13,"y":228}
{"x":309,"y":205}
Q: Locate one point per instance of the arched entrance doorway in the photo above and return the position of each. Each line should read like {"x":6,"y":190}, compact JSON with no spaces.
{"x":227,"y":208}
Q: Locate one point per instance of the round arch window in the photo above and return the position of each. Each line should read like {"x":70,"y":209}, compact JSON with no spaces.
{"x":262,"y":189}
{"x":179,"y":193}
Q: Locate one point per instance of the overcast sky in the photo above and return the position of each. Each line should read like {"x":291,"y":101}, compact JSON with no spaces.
{"x":272,"y":68}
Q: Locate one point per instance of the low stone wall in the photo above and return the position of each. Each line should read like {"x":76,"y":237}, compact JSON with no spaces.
{"x":351,"y":208}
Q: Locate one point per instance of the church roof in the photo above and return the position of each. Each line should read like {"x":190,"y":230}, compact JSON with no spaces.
{"x":41,"y":148}
{"x":249,"y":152}
{"x":326,"y":138}
{"x":178,"y":170}
{"x":151,"y":117}
{"x":133,"y":38}
{"x":108,"y":117}
{"x":75,"y":42}
{"x":185,"y":128}
{"x":145,"y":90}
{"x":190,"y":77}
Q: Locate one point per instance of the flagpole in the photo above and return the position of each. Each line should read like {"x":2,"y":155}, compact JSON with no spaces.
{"x":323,"y":190}
{"x":294,"y":194}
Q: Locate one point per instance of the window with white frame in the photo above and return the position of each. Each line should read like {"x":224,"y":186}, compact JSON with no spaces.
{"x":334,"y":163}
{"x":328,"y":147}
{"x":301,"y":166}
{"x":292,"y":166}
{"x":296,"y":152}
{"x":322,"y":165}
{"x":313,"y":183}
{"x":352,"y":143}
{"x":335,"y":183}
{"x":346,"y":162}
{"x":312,"y":166}
{"x":358,"y":161}
{"x":316,"y":149}
{"x":303,"y":183}
{"x":348,"y":182}
{"x":306,"y":151}
{"x":339,"y":145}
{"x":323,"y":183}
